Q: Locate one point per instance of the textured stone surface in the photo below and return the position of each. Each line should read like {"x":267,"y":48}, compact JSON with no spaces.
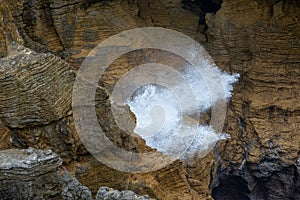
{"x":262,"y":45}
{"x":257,"y":39}
{"x":158,"y":185}
{"x":5,"y":137}
{"x":9,"y":31}
{"x":59,"y":135}
{"x":37,"y":174}
{"x":35,"y":88}
{"x":105,"y":193}
{"x":72,"y":189}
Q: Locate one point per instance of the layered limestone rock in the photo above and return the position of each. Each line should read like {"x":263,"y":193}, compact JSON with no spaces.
{"x":9,"y":31}
{"x":37,"y":174}
{"x":262,"y":45}
{"x":35,"y":88}
{"x":257,"y":39}
{"x":36,"y":100}
{"x":94,"y":25}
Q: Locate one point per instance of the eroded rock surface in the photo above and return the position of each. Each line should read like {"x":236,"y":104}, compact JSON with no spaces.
{"x":35,"y":87}
{"x":105,"y":193}
{"x":257,"y":39}
{"x":37,"y":174}
{"x":263,"y":116}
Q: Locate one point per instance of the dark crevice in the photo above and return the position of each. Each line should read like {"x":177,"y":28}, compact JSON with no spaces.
{"x":231,"y":187}
{"x":251,"y":183}
{"x":201,"y":8}
{"x":29,"y":17}
{"x":88,"y":3}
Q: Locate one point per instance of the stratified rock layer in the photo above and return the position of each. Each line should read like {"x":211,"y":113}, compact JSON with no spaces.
{"x":260,"y":41}
{"x":35,"y":88}
{"x":37,"y":174}
{"x":257,"y":39}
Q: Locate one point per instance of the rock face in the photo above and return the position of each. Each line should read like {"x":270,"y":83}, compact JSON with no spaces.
{"x":263,"y":116}
{"x":39,"y":88}
{"x":257,"y":39}
{"x":37,"y":174}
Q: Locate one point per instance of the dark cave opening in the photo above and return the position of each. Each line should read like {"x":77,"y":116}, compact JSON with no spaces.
{"x":254,"y":183}
{"x":208,"y":6}
{"x":201,"y":8}
{"x":231,"y":188}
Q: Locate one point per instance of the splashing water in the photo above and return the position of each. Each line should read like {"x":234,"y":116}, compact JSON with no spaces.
{"x":164,"y":122}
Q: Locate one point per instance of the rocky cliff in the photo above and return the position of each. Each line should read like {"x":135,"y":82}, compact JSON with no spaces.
{"x":257,"y":39}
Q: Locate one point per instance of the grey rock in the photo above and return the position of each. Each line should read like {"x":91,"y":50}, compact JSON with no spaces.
{"x":37,"y":174}
{"x":105,"y":193}
{"x":74,"y":190}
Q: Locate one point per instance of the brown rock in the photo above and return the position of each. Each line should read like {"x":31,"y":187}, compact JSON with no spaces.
{"x":257,"y":39}
{"x":263,"y":115}
{"x":35,"y":88}
{"x":9,"y":32}
{"x":5,"y":137}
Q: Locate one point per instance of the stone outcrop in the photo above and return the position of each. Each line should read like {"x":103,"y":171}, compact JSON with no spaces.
{"x":257,"y":39}
{"x":37,"y":174}
{"x":105,"y":193}
{"x":35,"y":88}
